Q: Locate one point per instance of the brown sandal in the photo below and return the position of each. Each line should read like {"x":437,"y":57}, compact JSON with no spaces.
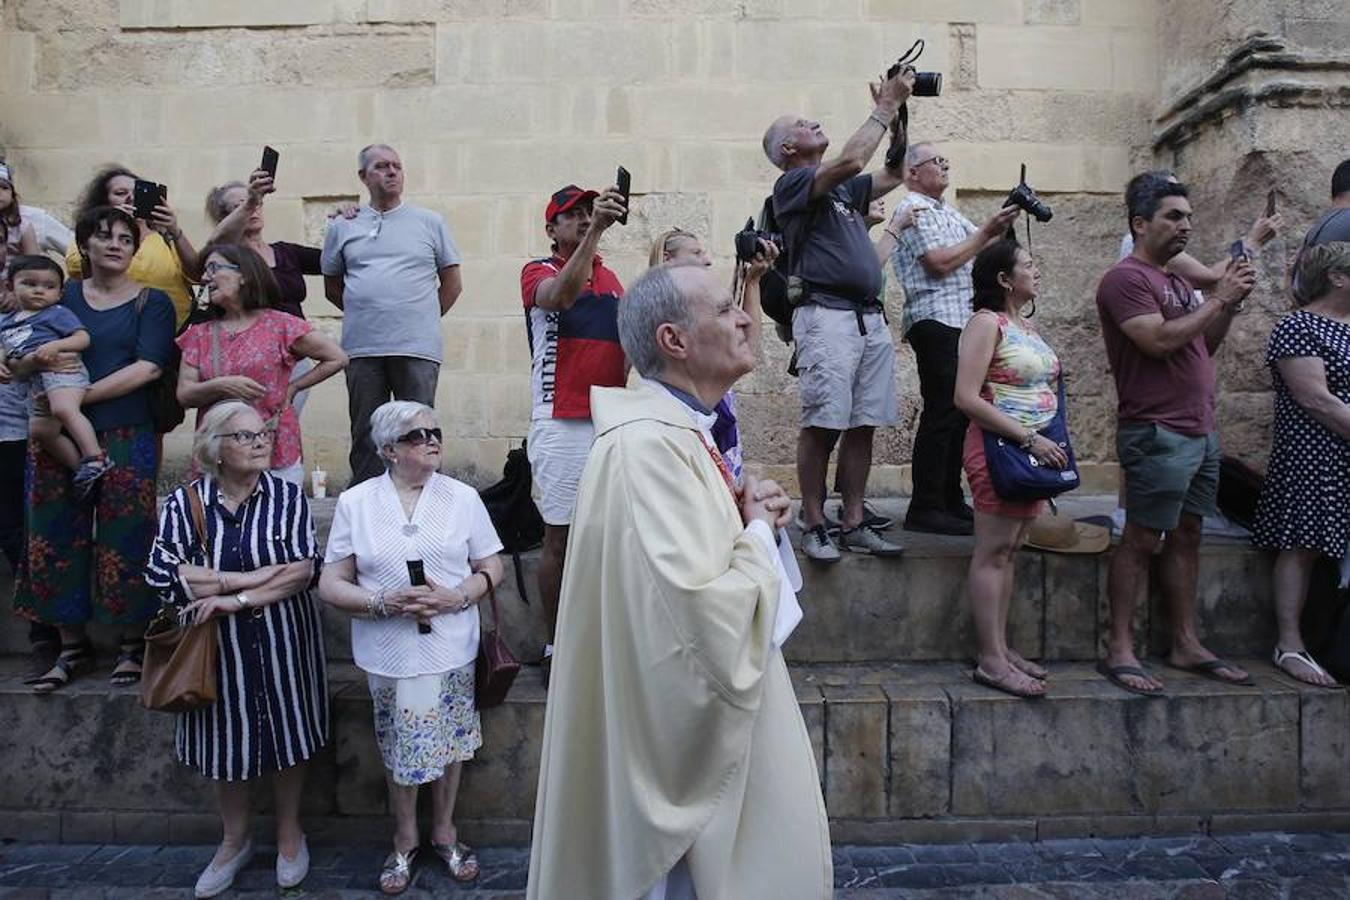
{"x":396,"y":873}
{"x":460,"y":860}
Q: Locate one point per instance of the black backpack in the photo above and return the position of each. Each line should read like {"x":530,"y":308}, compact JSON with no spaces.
{"x":513,"y":513}
{"x":773,"y":286}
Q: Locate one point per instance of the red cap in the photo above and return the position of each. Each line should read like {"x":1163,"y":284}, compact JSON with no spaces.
{"x":565,"y":198}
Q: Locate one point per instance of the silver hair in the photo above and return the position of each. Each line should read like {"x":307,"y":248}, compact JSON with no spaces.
{"x":206,"y":440}
{"x":913,"y":153}
{"x":392,"y":420}
{"x":652,"y":301}
{"x":362,"y":156}
{"x":774,"y":138}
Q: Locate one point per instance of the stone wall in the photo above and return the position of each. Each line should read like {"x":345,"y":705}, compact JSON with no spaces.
{"x":495,"y":103}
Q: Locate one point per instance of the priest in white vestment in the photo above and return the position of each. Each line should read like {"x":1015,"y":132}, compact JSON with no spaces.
{"x":676,"y":764}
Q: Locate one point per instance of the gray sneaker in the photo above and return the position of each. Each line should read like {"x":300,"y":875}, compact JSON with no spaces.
{"x":818,"y":546}
{"x":831,"y":525}
{"x":865,"y":539}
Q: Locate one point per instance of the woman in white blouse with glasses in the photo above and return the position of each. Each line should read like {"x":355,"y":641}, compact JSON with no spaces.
{"x":417,"y":644}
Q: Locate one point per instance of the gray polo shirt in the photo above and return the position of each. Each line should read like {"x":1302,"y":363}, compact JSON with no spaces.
{"x":389,"y":263}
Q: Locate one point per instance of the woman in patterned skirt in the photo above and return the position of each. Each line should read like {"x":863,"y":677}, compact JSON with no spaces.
{"x":84,"y":560}
{"x":417,"y":644}
{"x":253,"y":576}
{"x":1304,"y":511}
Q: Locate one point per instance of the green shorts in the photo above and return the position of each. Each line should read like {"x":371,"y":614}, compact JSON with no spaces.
{"x":1166,"y":474}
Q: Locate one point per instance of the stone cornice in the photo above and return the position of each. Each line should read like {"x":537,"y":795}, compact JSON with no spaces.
{"x":1237,"y":84}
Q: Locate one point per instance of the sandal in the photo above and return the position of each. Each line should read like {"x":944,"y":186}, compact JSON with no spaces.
{"x":460,"y":860}
{"x":396,"y":873}
{"x":1026,"y":666}
{"x":1304,"y":657}
{"x":41,"y":658}
{"x":71,"y":661}
{"x":132,"y":654}
{"x":1006,"y":685}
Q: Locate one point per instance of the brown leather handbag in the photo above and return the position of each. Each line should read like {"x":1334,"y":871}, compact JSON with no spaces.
{"x":179,"y":673}
{"x":496,"y":667}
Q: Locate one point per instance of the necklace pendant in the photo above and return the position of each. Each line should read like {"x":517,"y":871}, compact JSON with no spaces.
{"x":409,"y":529}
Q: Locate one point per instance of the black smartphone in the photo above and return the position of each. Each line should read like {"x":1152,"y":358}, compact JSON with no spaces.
{"x":145,"y":196}
{"x":1237,"y":251}
{"x":1270,"y":204}
{"x":624,"y":182}
{"x":269,"y":161}
{"x":418,"y":576}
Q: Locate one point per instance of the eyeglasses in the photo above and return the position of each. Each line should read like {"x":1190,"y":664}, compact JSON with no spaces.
{"x":940,"y":160}
{"x":246,"y":438}
{"x":419,"y":436}
{"x":212,"y":268}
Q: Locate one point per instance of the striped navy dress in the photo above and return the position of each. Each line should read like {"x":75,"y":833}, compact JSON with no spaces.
{"x":273,"y":706}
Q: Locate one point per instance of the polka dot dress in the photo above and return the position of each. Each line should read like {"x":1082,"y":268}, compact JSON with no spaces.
{"x":1305,"y":502}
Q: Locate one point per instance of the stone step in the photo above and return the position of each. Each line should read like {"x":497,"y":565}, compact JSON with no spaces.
{"x":869,"y":610}
{"x":906,"y":752}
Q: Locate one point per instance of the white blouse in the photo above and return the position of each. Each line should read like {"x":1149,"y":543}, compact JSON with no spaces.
{"x":449,"y":527}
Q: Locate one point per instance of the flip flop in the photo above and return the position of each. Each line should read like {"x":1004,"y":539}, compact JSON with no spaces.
{"x":1210,"y":669}
{"x":980,"y":677}
{"x":1113,"y":673}
{"x":1282,"y":656}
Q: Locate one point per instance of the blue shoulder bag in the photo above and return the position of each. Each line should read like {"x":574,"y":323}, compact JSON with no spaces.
{"x":1020,"y":477}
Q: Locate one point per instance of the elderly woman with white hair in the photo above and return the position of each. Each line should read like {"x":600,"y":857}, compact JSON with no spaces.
{"x":251,"y":570}
{"x":410,"y":555}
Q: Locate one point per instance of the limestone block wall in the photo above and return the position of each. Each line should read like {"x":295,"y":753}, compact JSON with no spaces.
{"x":495,"y":103}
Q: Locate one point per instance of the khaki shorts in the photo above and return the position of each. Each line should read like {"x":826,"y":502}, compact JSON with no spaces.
{"x":557,"y":449}
{"x":847,"y":379}
{"x":1167,"y":474}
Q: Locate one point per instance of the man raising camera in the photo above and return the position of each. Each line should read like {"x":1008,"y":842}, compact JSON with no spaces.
{"x":845,"y":356}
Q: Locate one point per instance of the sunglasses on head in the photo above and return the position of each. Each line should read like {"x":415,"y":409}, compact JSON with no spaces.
{"x":419,"y":436}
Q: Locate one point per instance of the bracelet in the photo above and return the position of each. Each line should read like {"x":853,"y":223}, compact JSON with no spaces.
{"x":1028,"y":440}
{"x":893,"y":235}
{"x":879,"y":120}
{"x":375,"y":605}
{"x":487,"y":578}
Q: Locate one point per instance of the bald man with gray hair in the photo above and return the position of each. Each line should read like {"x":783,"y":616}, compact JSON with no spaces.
{"x":394,"y":271}
{"x":845,"y":358}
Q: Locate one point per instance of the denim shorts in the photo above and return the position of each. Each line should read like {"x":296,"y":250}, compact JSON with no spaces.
{"x":1166,"y":474}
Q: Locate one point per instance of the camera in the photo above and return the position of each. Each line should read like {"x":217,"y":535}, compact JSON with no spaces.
{"x":926,"y":84}
{"x":1025,"y":199}
{"x":747,"y":241}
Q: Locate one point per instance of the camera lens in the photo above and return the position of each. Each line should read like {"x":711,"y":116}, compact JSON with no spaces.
{"x":927,"y":84}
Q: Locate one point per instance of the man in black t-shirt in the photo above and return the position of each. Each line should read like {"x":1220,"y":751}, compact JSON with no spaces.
{"x":845,"y":358}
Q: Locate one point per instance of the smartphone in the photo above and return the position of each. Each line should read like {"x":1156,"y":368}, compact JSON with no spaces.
{"x":269,"y":161}
{"x":1237,"y":251}
{"x":145,"y":196}
{"x":624,"y":181}
{"x":418,"y":576}
{"x":1270,"y":204}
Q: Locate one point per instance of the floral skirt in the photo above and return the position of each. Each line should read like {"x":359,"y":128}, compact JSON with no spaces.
{"x":87,"y":560}
{"x":425,"y":723}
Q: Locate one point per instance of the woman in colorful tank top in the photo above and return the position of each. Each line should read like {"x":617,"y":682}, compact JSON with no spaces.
{"x":1006,"y":383}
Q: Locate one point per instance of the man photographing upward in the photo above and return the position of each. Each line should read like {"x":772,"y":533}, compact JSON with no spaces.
{"x":845,"y":356}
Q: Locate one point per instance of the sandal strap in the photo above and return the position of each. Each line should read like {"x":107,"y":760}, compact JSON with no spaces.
{"x":1302,"y":656}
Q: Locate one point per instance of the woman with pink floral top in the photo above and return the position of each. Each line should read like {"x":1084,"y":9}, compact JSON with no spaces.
{"x":248,"y":352}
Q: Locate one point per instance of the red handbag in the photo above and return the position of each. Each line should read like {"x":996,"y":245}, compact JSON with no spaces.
{"x":496,"y":667}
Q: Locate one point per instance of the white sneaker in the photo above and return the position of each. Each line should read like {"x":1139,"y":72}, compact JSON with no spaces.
{"x":291,"y":872}
{"x":215,"y":881}
{"x":818,"y":546}
{"x":831,"y":525}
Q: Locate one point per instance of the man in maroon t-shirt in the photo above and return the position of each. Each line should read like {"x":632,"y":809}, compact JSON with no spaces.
{"x":1160,"y":334}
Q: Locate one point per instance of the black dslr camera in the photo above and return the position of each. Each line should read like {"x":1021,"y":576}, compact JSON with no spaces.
{"x":926,"y":84}
{"x":747,"y":241}
{"x":1024,"y":198}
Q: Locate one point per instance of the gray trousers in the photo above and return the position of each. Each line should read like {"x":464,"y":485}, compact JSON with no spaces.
{"x":375,"y":380}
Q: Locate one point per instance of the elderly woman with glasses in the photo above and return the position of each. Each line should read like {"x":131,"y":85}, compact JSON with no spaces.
{"x":251,"y":570}
{"x":410,"y":555}
{"x":249,"y":351}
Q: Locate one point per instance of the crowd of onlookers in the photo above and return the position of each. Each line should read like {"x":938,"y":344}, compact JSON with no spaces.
{"x":103,"y":351}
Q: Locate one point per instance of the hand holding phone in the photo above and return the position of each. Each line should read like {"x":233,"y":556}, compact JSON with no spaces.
{"x":624,"y":182}
{"x":270,"y":158}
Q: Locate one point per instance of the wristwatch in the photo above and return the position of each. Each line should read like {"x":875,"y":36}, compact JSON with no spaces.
{"x":242,"y":599}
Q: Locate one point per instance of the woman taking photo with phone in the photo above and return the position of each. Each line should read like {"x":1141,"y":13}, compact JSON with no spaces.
{"x":165,"y":259}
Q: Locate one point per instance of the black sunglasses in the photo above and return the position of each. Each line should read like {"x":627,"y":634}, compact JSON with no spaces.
{"x":419,"y":436}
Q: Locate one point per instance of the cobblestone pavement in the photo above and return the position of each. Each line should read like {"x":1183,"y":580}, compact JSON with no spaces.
{"x":1250,"y":867}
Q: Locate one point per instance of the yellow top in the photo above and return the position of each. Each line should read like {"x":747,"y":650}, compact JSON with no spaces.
{"x":155,"y":265}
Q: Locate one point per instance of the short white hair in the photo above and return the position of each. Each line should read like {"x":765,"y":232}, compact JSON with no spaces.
{"x":392,"y":420}
{"x":774,"y":138}
{"x":914,"y":153}
{"x":206,"y":440}
{"x":652,"y":301}
{"x":363,"y":157}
